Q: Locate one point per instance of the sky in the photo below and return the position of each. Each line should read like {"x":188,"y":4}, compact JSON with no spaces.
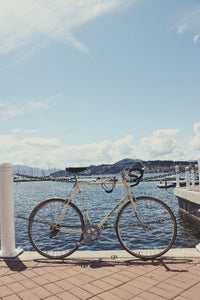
{"x":88,"y":82}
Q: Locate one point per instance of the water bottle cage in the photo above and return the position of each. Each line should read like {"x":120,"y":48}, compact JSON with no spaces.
{"x":108,"y":188}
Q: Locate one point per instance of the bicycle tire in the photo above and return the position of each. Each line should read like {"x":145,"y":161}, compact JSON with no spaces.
{"x":159,"y":233}
{"x":55,"y":243}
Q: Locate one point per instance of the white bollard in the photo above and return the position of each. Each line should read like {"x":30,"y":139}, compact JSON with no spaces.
{"x":7,"y":212}
{"x":187,"y":171}
{"x":193,"y":179}
{"x":177,"y":176}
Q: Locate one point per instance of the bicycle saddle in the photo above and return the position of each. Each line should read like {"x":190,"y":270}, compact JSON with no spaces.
{"x":76,"y":170}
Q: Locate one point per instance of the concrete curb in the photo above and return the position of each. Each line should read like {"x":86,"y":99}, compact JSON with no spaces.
{"x":113,"y":255}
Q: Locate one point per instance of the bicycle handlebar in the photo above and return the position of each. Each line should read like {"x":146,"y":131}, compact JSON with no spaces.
{"x":136,"y":175}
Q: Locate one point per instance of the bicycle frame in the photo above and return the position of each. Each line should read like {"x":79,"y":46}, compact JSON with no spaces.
{"x":77,"y":188}
{"x":142,"y":233}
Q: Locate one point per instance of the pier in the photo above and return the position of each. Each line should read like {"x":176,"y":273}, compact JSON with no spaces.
{"x":189,"y":201}
{"x":189,"y":195}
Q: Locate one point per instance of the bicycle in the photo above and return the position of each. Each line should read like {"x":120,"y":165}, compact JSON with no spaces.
{"x":145,"y":226}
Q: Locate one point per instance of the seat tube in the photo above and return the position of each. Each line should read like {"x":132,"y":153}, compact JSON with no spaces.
{"x":132,"y":202}
{"x":83,"y":203}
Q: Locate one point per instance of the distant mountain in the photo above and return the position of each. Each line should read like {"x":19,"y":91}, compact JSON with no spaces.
{"x":127,"y":161}
{"x":102,"y":169}
{"x":59,"y":173}
{"x":150,"y":166}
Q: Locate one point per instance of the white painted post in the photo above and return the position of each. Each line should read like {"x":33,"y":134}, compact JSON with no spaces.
{"x":192,"y":174}
{"x":177,"y":176}
{"x":187,"y":171}
{"x":7,"y":212}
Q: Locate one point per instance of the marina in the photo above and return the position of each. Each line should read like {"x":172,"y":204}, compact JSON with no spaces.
{"x":27,"y":196}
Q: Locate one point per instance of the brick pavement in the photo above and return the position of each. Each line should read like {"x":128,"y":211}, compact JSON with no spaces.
{"x":39,"y":278}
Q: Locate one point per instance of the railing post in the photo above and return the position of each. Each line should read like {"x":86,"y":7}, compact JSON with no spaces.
{"x":193,"y":179}
{"x":177,"y":176}
{"x":7,"y":212}
{"x":187,"y":171}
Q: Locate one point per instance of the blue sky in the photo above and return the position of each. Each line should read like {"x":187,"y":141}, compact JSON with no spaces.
{"x":91,"y":82}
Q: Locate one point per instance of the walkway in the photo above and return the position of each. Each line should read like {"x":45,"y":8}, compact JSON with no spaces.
{"x":111,"y":275}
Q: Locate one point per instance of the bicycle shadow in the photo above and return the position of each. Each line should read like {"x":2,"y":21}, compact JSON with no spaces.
{"x":168,"y":264}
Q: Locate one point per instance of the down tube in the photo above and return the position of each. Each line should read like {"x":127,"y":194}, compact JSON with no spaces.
{"x":112,"y":211}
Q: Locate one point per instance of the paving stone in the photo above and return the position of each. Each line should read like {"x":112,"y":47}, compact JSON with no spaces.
{"x":5,"y":291}
{"x":192,"y":293}
{"x":134,"y":279}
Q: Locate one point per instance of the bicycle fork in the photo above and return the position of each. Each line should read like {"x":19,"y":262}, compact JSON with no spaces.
{"x":133,"y":199}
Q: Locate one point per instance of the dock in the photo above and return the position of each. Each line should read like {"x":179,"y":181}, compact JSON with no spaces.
{"x":189,"y":200}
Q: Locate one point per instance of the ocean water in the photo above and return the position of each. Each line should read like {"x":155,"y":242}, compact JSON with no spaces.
{"x":28,"y":194}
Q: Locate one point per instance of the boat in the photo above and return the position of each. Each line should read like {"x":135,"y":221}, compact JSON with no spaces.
{"x":166,"y":184}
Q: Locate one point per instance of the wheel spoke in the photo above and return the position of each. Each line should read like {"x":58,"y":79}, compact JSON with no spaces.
{"x":51,"y":239}
{"x":155,"y":236}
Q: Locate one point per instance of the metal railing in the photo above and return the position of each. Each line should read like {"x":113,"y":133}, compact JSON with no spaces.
{"x":191,"y":177}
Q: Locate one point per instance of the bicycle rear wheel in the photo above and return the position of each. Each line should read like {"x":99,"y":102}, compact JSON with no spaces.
{"x":157,"y":235}
{"x":55,"y":241}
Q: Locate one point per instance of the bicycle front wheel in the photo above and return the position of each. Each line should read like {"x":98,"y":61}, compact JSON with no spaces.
{"x":49,"y":239}
{"x":151,"y":234}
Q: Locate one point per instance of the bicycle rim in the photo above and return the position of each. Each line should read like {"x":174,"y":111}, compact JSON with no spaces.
{"x":157,"y":235}
{"x":55,"y":243}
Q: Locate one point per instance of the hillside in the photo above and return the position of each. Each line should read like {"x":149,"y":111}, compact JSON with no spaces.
{"x":157,"y":166}
{"x":154,"y":166}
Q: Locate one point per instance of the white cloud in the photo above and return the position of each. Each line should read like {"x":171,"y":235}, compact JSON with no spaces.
{"x":190,"y":21}
{"x":182,"y":28}
{"x":40,"y":142}
{"x":27,"y":23}
{"x":20,"y":130}
{"x":195,"y":142}
{"x":196,"y":127}
{"x":52,"y":152}
{"x":13,"y":108}
{"x":163,"y":144}
{"x":124,"y":146}
{"x":7,"y":141}
{"x":34,"y":151}
{"x":196,"y":38}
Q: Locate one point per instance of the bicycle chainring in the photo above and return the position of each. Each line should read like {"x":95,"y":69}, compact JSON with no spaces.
{"x":91,"y":233}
